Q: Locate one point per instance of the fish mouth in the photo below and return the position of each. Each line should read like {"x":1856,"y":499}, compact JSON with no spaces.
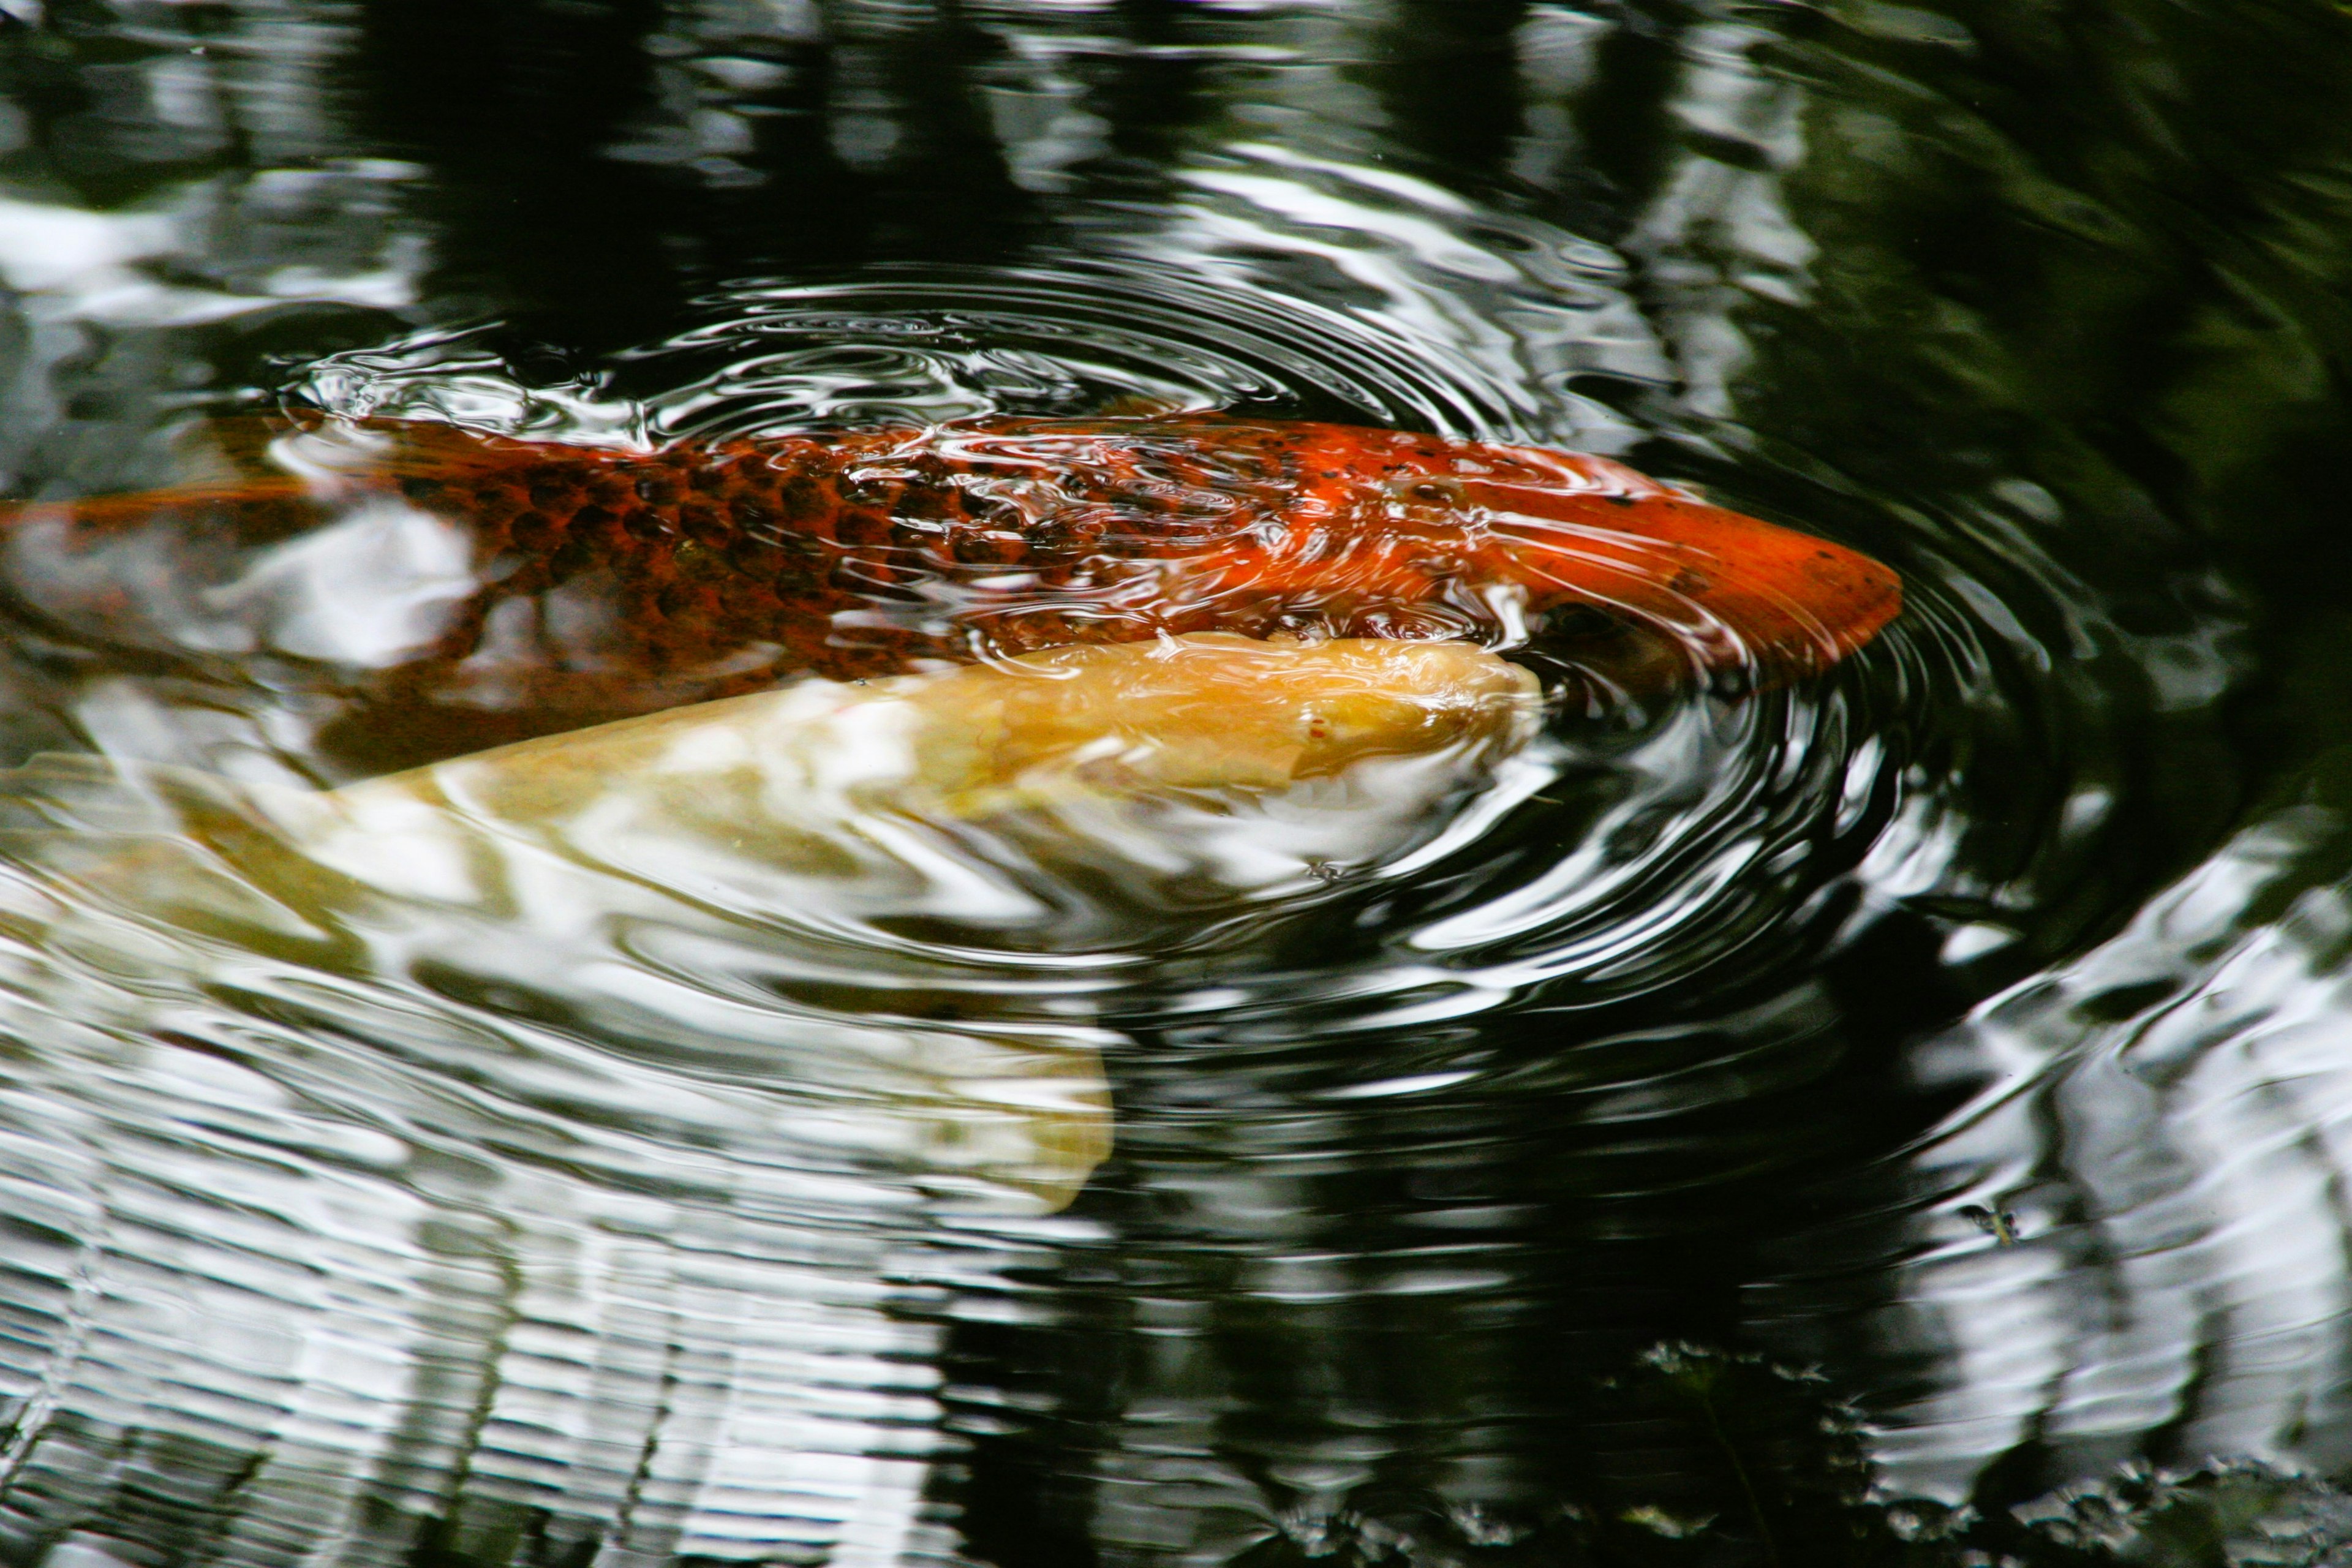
{"x":1738,"y":591}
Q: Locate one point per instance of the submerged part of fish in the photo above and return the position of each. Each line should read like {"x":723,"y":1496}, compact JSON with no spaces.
{"x":804,"y":827}
{"x":424,"y":569}
{"x":1210,"y":712}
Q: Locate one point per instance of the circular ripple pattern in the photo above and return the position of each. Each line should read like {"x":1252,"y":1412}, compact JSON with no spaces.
{"x":1046,"y":343}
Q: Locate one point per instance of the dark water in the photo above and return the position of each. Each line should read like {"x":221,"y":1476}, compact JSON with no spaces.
{"x":1900,"y":1119}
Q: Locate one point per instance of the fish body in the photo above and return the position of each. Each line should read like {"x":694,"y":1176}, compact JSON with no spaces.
{"x":1207,"y":711}
{"x":606,"y":581}
{"x":781,"y":839}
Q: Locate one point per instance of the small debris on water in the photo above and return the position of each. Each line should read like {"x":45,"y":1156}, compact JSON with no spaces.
{"x":1999,"y":1224}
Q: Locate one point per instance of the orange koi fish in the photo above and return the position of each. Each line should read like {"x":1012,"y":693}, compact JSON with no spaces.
{"x":598,"y":582}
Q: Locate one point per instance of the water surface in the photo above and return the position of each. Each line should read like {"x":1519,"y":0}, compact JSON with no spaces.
{"x":1882,"y":1119}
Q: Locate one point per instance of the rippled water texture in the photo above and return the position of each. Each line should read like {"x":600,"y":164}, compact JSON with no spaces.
{"x":1897,"y":1115}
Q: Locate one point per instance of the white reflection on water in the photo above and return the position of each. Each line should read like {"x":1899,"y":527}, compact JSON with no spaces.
{"x":2170,"y":1117}
{"x":364,"y":591}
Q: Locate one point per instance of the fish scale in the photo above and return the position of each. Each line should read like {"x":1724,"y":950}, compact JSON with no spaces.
{"x":613,"y":581}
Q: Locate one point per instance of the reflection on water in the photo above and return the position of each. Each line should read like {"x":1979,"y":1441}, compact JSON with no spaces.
{"x":1581,"y":1180}
{"x":2163,"y":1114}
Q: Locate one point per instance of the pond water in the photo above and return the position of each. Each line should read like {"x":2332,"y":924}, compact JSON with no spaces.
{"x":1903,"y":1116}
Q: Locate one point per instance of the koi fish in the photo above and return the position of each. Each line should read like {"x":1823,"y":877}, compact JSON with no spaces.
{"x":757,"y":831}
{"x":601,"y":582}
